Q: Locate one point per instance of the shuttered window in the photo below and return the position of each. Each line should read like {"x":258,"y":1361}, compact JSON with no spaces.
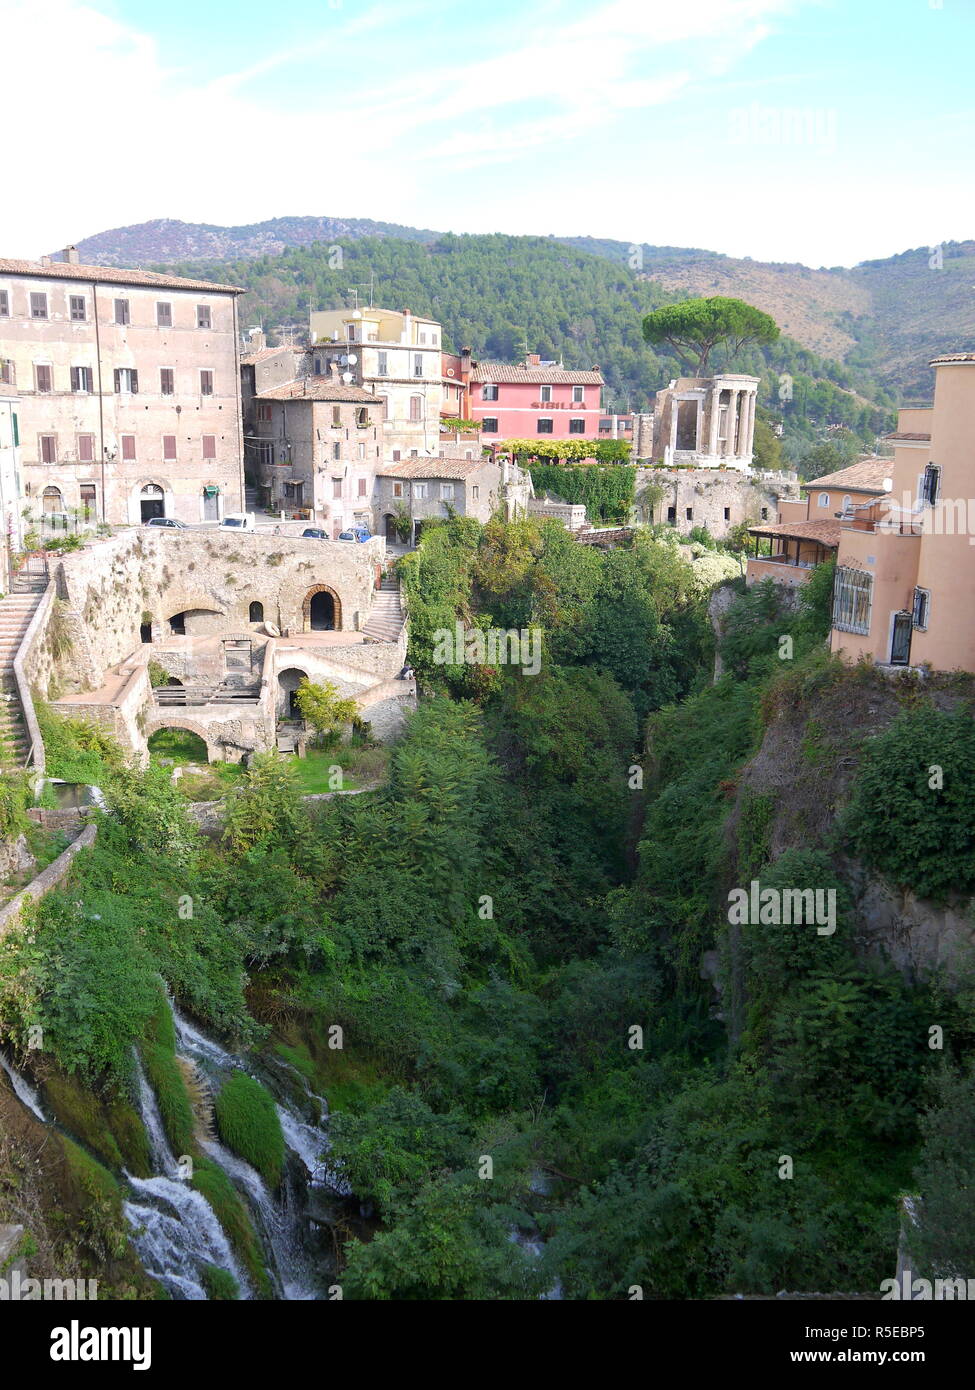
{"x":209,"y":446}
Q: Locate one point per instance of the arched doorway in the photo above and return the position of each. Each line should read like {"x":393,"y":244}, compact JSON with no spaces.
{"x":288,"y":682}
{"x":391,"y":533}
{"x":321,"y":610}
{"x":255,"y":613}
{"x":179,"y":742}
{"x":152,"y":501}
{"x":51,"y":500}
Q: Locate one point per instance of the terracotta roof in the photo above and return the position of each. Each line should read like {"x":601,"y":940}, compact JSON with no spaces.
{"x":431,"y":468}
{"x":825,"y":532}
{"x":503,"y":372}
{"x":867,"y":475}
{"x":906,"y":434}
{"x":110,"y":275}
{"x":317,"y":388}
{"x":249,"y":358}
{"x":952,"y":357}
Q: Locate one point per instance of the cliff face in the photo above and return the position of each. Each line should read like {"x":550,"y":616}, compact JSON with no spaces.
{"x":803,"y":772}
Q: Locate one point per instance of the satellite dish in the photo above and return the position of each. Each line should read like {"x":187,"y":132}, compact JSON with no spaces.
{"x":352,"y":359}
{"x":347,"y":378}
{"x":343,"y":359}
{"x":357,"y":313}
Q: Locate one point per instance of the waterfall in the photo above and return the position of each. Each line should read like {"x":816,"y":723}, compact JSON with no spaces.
{"x":23,"y":1090}
{"x":280,"y":1218}
{"x":174,"y":1229}
{"x":175,"y":1233}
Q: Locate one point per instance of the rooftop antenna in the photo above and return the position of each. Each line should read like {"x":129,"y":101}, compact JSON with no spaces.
{"x":354,"y":289}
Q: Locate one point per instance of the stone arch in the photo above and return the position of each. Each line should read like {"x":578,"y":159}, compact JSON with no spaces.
{"x":288,"y":681}
{"x":166,"y":721}
{"x":306,"y":608}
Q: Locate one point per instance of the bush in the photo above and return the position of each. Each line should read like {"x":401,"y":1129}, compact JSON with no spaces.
{"x":249,"y":1124}
{"x":910,"y":813}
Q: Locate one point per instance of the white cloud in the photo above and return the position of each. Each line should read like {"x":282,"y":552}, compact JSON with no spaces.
{"x":118,"y":136}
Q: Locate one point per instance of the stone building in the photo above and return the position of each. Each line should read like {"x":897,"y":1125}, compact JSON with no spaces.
{"x":395,"y":355}
{"x":572,"y":515}
{"x":129,"y":390}
{"x":11,"y":484}
{"x":717,"y":499}
{"x":705,"y":422}
{"x":315,"y":448}
{"x":421,"y":489}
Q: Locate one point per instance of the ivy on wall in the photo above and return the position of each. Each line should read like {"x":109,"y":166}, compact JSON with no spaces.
{"x":606,"y":493}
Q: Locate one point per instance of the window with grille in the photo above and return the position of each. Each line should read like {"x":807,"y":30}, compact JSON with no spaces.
{"x":851,"y":600}
{"x":922,"y":606}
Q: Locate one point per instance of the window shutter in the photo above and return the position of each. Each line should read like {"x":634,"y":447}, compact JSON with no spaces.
{"x":118,"y":380}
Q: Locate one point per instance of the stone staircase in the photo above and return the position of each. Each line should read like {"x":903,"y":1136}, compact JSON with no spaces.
{"x":16,"y":611}
{"x":385,"y":622}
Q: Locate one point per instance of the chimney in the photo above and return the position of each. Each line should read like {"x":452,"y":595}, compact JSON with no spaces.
{"x":533,"y":359}
{"x":71,"y":255}
{"x":333,"y":370}
{"x":45,"y":260}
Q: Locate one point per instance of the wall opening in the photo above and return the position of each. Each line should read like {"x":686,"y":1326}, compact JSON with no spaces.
{"x":322,"y":610}
{"x":256,"y":612}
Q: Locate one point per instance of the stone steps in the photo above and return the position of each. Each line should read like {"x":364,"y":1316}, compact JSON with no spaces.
{"x":16,"y":612}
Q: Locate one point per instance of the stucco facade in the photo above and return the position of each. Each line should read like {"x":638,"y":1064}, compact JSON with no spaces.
{"x":906,"y":563}
{"x":129,"y":391}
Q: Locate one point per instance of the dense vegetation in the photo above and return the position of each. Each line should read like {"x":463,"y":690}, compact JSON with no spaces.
{"x":505,"y":295}
{"x":518,"y":937}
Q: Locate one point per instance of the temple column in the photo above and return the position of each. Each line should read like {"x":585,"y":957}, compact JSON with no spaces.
{"x":713,"y":423}
{"x":750,"y":430}
{"x":731,"y":434}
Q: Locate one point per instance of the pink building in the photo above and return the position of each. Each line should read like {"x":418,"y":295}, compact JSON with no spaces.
{"x":533,"y":400}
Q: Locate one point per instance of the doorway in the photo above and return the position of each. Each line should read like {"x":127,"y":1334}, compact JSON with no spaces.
{"x":211,"y":506}
{"x":152,"y":502}
{"x":900,"y":643}
{"x":322,"y":612}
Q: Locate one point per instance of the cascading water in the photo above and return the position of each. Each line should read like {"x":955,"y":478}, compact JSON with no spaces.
{"x":281,"y":1218}
{"x":23,"y":1090}
{"x":174,"y":1229}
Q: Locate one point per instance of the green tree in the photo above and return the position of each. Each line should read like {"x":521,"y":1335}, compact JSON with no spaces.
{"x":694,"y":328}
{"x":324,"y":709}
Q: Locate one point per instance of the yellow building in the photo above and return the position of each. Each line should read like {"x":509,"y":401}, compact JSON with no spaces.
{"x":398,"y":357}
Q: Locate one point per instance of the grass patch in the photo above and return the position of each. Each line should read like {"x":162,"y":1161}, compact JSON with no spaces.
{"x":220,"y":1284}
{"x":179,"y":745}
{"x":112,"y":1129}
{"x":158,"y":1053}
{"x":360,"y":766}
{"x":249,"y":1124}
{"x":212,"y":1183}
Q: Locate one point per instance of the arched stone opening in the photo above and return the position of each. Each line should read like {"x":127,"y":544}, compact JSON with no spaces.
{"x":157,"y":726}
{"x":255,"y":612}
{"x":321,"y":610}
{"x":288,"y":682}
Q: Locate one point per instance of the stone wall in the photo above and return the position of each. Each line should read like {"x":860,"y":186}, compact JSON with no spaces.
{"x":108,"y":590}
{"x":49,"y":878}
{"x":717,"y":498}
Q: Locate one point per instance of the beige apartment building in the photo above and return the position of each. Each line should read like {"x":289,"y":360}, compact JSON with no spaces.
{"x":129,"y":391}
{"x":419,"y":490}
{"x":395,"y":355}
{"x":906,"y":561}
{"x":315,"y":449}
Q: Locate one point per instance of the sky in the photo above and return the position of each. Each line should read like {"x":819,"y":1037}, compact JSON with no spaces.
{"x":820,"y":131}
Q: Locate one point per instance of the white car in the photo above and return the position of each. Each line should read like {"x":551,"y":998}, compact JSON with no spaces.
{"x":239,"y":521}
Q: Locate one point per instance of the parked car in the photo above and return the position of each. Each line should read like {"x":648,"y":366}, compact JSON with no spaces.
{"x":169,"y":522}
{"x":315,"y":533}
{"x":356,"y":533}
{"x":239,"y":521}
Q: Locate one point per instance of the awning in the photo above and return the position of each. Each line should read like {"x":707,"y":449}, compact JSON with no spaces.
{"x":211,"y":491}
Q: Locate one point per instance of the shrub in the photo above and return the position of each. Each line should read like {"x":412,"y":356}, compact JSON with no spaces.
{"x":910,"y":813}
